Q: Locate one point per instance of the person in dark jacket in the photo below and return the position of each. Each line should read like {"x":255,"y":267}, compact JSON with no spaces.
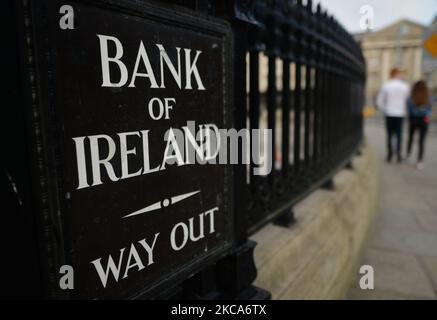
{"x":419,"y":111}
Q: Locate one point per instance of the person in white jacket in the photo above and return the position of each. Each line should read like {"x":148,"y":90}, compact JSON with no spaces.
{"x":392,"y":100}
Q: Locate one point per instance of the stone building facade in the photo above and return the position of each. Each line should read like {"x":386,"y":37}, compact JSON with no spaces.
{"x":397,"y":45}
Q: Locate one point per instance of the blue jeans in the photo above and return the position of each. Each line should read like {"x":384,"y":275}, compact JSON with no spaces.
{"x":394,"y":128}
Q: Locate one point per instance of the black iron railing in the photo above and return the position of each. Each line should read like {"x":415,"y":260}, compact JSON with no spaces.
{"x":298,"y":72}
{"x":303,"y":77}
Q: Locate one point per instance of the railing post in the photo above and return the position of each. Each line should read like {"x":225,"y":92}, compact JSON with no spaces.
{"x":286,"y":218}
{"x":298,"y":91}
{"x":308,"y":52}
{"x":236,"y":272}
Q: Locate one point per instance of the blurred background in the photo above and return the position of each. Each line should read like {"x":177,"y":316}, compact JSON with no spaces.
{"x":402,"y":247}
{"x":402,"y":243}
{"x":392,"y":34}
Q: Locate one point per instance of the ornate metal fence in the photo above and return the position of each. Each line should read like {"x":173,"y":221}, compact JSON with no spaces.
{"x":301,"y":74}
{"x":314,"y":109}
{"x":298,"y":72}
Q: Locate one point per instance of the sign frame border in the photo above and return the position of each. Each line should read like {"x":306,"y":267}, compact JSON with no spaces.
{"x":40,"y":118}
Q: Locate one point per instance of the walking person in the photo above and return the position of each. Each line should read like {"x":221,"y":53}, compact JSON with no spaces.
{"x":392,"y":100}
{"x":419,"y":112}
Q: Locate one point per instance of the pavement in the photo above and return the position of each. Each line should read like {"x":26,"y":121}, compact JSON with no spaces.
{"x":402,"y":245}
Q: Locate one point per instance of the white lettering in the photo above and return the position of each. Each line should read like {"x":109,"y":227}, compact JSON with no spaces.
{"x":191,"y":68}
{"x":96,"y":162}
{"x":124,"y":152}
{"x":105,"y":59}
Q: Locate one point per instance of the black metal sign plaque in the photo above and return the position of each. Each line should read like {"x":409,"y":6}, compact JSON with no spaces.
{"x":110,"y":83}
